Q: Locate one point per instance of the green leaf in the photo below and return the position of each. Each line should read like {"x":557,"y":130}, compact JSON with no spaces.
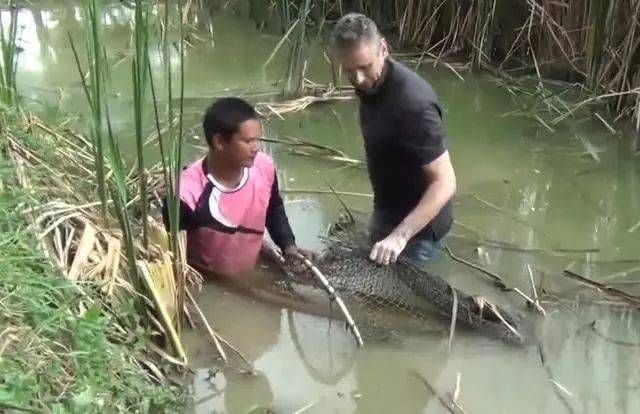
{"x":84,"y":399}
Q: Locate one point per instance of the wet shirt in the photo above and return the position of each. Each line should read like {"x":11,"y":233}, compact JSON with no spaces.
{"x":225,"y":226}
{"x":401,"y":123}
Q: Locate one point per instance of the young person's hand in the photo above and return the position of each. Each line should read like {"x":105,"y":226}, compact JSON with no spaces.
{"x":292,"y":256}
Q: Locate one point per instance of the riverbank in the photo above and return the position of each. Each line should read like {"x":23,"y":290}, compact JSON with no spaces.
{"x":63,"y":347}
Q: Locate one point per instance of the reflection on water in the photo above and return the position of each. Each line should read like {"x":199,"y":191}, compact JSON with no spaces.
{"x":526,"y":197}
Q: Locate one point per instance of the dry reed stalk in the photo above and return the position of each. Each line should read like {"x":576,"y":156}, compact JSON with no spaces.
{"x":456,"y":394}
{"x":445,"y":404}
{"x":535,"y":292}
{"x":212,"y":333}
{"x":513,"y":330}
{"x":299,"y":104}
{"x":167,"y":322}
{"x":179,"y":276}
{"x":112,"y":264}
{"x":630,"y":299}
{"x":85,"y":246}
{"x":454,"y":318}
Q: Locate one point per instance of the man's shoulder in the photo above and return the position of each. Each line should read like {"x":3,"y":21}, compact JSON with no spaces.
{"x":192,"y":182}
{"x":412,"y":88}
{"x":193,"y":171}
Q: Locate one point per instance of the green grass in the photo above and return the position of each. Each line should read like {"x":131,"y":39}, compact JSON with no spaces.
{"x":60,"y":350}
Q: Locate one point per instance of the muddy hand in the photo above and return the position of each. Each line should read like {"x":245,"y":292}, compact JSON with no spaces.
{"x":291,"y":255}
{"x":272,"y":252}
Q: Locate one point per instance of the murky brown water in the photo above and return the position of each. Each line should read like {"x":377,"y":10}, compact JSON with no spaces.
{"x":518,"y":183}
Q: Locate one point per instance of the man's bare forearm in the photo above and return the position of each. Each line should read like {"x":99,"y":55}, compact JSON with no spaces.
{"x":433,"y":200}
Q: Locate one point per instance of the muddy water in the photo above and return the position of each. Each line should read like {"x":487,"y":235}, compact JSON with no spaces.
{"x":518,"y":183}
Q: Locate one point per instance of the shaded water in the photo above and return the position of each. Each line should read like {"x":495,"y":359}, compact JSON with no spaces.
{"x":518,"y":183}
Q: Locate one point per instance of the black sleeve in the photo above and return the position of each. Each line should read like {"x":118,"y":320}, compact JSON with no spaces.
{"x":187,"y":219}
{"x":277,"y":222}
{"x":424,"y":132}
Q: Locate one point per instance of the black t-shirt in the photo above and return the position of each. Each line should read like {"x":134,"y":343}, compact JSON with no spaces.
{"x":401,"y":124}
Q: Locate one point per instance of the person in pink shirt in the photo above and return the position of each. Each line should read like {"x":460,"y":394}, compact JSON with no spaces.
{"x":229,"y":197}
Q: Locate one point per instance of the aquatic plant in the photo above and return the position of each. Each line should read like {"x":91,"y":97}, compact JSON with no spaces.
{"x":297,"y":61}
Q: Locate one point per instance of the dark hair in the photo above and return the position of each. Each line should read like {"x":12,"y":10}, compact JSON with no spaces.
{"x":224,"y":117}
{"x":353,"y":28}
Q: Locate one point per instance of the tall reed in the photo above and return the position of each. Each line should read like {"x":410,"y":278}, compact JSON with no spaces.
{"x":9,"y":55}
{"x":105,"y":147}
{"x":139,"y":69}
{"x":94,"y":91}
{"x":172,"y":160}
{"x":297,"y":62}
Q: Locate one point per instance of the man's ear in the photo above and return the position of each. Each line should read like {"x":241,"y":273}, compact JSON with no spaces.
{"x":384,"y":48}
{"x":217,"y":142}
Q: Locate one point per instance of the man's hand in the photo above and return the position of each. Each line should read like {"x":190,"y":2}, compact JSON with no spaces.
{"x":388,"y":249}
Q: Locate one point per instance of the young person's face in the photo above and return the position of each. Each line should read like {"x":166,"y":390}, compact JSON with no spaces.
{"x":243,"y":146}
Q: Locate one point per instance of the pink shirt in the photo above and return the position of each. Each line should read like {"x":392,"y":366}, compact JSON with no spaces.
{"x":227,"y":224}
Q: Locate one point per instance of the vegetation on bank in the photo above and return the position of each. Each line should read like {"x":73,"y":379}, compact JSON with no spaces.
{"x":63,"y":348}
{"x":90,"y":319}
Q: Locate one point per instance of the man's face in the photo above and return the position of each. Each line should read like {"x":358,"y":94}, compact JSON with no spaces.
{"x":363,"y":62}
{"x":244,"y":145}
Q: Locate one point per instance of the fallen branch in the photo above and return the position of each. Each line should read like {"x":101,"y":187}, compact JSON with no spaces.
{"x":497,"y":280}
{"x":631,"y":299}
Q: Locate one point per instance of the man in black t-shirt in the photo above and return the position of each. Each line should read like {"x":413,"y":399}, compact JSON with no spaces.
{"x":409,"y":167}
